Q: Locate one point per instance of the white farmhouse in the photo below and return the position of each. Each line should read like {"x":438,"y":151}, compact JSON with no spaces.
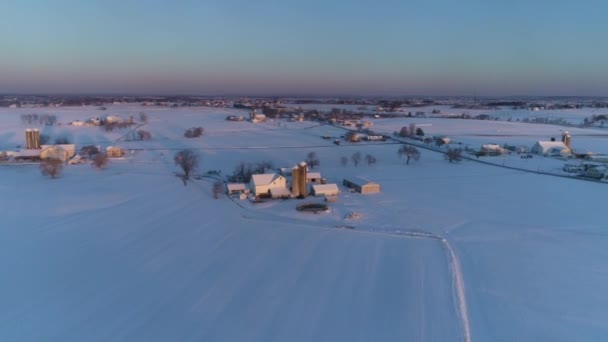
{"x":262,"y":184}
{"x":552,"y":148}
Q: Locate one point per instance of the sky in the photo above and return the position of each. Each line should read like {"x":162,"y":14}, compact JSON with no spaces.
{"x":305,"y":47}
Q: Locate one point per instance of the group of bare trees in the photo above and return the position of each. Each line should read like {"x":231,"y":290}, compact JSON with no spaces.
{"x":410,"y":131}
{"x":140,"y":135}
{"x":453,"y":155}
{"x":356,"y":158}
{"x":42,"y":119}
{"x":194,"y":132}
{"x":243,"y":171}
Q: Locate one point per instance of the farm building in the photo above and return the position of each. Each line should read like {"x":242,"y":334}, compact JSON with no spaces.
{"x":361,"y":185}
{"x":552,"y":148}
{"x":280,"y":193}
{"x":114,"y":152}
{"x":262,"y":184}
{"x":325,"y":190}
{"x":61,"y":151}
{"x":237,"y":188}
{"x":113,"y":119}
{"x":313,"y":177}
{"x":493,"y":149}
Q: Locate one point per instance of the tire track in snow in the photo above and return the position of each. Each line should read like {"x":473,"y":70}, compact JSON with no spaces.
{"x":453,"y":261}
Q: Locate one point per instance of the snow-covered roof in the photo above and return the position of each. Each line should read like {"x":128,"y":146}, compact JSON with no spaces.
{"x":359,"y":181}
{"x":546,"y":145}
{"x":264,"y":178}
{"x":23,"y":153}
{"x":236,"y":186}
{"x":310,"y":175}
{"x":322,"y":188}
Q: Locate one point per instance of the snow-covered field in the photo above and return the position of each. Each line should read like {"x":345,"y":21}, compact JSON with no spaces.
{"x":446,"y":252}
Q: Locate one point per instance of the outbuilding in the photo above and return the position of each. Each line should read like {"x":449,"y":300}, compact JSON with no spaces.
{"x":325,"y":190}
{"x":361,"y":185}
{"x":237,"y":188}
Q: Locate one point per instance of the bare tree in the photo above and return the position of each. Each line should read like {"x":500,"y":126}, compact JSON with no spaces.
{"x":344,"y":161}
{"x":370,"y":159}
{"x":51,"y":167}
{"x":218,"y":188}
{"x":194,"y":132}
{"x":89,"y":150}
{"x":410,"y":152}
{"x":404,"y":132}
{"x":144,"y":135}
{"x":187,"y":160}
{"x":356,"y":158}
{"x":412,"y":129}
{"x":312,"y":160}
{"x":453,"y":155}
{"x":143,"y":118}
{"x":100,"y":160}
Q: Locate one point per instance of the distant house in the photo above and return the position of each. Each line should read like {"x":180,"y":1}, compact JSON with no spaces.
{"x":551,"y":148}
{"x":113,"y":119}
{"x":237,"y":188}
{"x":493,"y":149}
{"x":325,"y":190}
{"x":261,"y":184}
{"x":114,"y":152}
{"x":361,"y":185}
{"x":60,"y":151}
{"x":77,"y":123}
{"x":93,"y":122}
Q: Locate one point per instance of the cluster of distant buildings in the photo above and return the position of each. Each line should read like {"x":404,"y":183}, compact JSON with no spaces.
{"x":297,"y":182}
{"x":36,"y":151}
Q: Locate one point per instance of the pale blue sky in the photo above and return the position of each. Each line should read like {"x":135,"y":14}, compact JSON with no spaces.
{"x":305,"y":47}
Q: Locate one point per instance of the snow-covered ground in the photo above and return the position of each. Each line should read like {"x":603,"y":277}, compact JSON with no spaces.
{"x":446,"y":252}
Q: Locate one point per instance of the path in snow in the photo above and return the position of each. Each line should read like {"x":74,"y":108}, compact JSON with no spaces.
{"x":453,"y":261}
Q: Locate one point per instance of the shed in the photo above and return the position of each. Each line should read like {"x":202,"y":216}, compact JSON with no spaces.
{"x":114,"y":152}
{"x":361,"y":185}
{"x":237,"y":188}
{"x":325,"y":190}
{"x":313,"y":177}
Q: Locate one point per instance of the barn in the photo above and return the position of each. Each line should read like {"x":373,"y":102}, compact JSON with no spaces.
{"x":361,"y":185}
{"x":62,"y":151}
{"x":325,"y":190}
{"x":553,"y":148}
